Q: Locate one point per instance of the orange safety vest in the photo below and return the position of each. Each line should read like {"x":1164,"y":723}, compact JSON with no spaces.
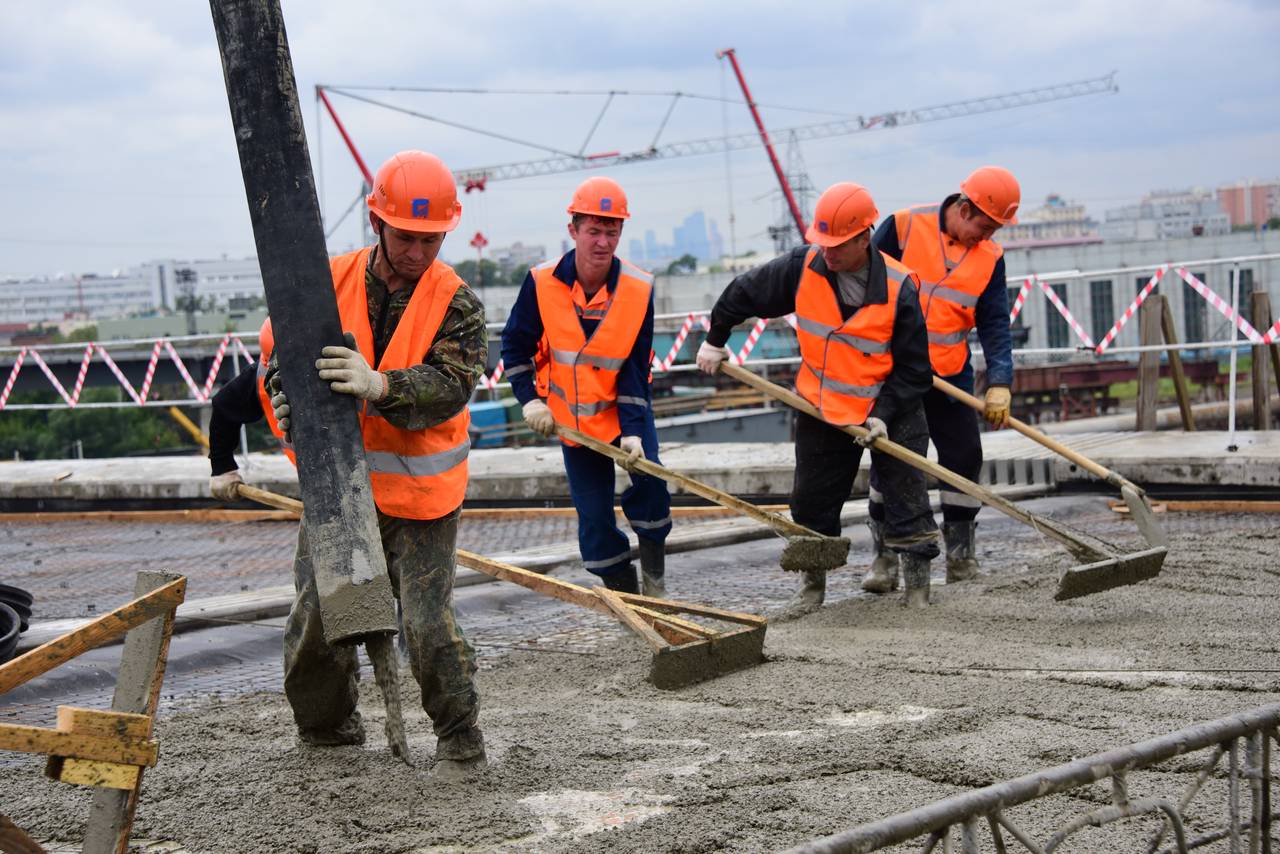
{"x":844,"y":363}
{"x":581,"y":375}
{"x":415,"y":474}
{"x":952,"y":279}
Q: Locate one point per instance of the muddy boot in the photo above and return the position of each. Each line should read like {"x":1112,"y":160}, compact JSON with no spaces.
{"x":622,"y":581}
{"x":459,"y":757}
{"x":962,"y":565}
{"x":915,"y":577}
{"x":806,"y":600}
{"x":882,"y":575}
{"x":351,"y":732}
{"x":653,"y":569}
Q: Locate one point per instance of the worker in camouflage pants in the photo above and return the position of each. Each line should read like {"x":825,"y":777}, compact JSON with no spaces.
{"x":408,"y":314}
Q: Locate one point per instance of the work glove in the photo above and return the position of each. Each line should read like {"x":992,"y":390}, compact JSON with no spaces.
{"x":997,"y":408}
{"x":348,"y":373}
{"x":538,"y":416}
{"x":223,"y":486}
{"x":876,"y":429}
{"x":710,"y":357}
{"x":280,"y":407}
{"x":634,"y":451}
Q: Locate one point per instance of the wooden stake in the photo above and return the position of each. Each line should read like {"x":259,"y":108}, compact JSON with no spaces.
{"x":1261,"y":310}
{"x":1175,"y":366}
{"x":1149,"y":362}
{"x":142,"y":664}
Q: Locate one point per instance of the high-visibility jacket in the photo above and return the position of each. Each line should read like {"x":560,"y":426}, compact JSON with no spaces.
{"x":581,"y":374}
{"x":415,"y":474}
{"x":952,"y":278}
{"x":844,"y":363}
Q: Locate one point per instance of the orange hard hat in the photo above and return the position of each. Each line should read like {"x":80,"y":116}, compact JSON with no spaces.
{"x":415,"y":191}
{"x":600,"y":196}
{"x":844,"y":211}
{"x":996,"y":193}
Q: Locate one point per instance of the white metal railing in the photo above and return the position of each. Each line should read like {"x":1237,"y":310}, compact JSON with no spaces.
{"x":201,"y":393}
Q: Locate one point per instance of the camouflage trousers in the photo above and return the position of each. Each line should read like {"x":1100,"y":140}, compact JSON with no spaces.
{"x":320,"y":680}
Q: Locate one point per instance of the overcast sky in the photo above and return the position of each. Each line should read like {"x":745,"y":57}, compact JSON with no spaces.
{"x":117,"y":145}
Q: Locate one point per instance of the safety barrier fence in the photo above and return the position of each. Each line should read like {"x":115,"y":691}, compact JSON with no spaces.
{"x":200,"y":394}
{"x":981,"y":818}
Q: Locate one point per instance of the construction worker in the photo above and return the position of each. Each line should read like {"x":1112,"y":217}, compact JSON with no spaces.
{"x":864,"y":361}
{"x":961,"y":271}
{"x":410,"y":315}
{"x":581,"y":333}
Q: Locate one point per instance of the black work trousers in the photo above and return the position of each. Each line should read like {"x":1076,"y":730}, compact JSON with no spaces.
{"x":827,"y":462}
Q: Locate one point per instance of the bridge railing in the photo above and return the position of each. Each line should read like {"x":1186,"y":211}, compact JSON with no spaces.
{"x":200,"y":392}
{"x":985,"y":812}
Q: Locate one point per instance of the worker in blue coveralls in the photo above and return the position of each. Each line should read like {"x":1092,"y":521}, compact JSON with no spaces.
{"x":577,"y":349}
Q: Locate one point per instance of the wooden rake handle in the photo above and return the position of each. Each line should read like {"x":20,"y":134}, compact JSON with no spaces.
{"x":779,"y":523}
{"x":1077,"y":546}
{"x":1035,"y":435}
{"x":271,"y":499}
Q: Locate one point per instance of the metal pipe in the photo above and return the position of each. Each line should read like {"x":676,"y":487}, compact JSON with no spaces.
{"x":1235,"y":335}
{"x":899,"y":828}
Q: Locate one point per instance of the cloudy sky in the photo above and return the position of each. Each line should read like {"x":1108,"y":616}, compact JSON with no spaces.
{"x":117,"y":145}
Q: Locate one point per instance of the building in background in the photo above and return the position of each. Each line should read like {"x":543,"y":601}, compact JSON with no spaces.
{"x":517,"y":256}
{"x":1250,"y":202}
{"x":1057,"y":221}
{"x":1167,"y":215}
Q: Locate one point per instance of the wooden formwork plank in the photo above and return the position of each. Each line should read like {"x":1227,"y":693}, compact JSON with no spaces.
{"x":145,"y":606}
{"x":1175,"y":366}
{"x":1149,"y":317}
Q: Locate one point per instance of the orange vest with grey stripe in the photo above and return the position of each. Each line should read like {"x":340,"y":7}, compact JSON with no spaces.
{"x":582,"y":373}
{"x":844,"y":363}
{"x":415,"y":474}
{"x":952,"y":279}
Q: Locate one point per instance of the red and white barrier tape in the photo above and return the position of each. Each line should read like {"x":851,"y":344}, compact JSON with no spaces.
{"x":1021,"y":299}
{"x":1272,"y":335}
{"x":39,"y":360}
{"x":664,"y":364}
{"x":1130,"y":311}
{"x":1066,"y":314}
{"x":13,"y":377}
{"x":120,"y":377}
{"x":151,"y":371}
{"x":217,"y":365}
{"x":753,"y":337}
{"x":244,"y":351}
{"x":1220,"y":304}
{"x":84,"y":371}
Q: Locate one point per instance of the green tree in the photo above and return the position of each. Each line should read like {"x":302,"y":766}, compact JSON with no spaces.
{"x":488,"y":276}
{"x":683,"y":266}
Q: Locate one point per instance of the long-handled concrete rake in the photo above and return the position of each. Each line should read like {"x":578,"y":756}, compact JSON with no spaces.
{"x":684,"y":652}
{"x":1133,"y":495}
{"x":806,"y":549}
{"x":1101,"y":569}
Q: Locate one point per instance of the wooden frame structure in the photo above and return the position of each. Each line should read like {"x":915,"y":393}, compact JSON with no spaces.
{"x":106,"y":750}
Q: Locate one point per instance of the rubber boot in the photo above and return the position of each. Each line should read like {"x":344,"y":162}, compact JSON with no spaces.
{"x":915,"y":577}
{"x":809,"y":598}
{"x":459,"y":756}
{"x":962,"y":565}
{"x":653,"y":568}
{"x":622,"y":581}
{"x":882,"y":575}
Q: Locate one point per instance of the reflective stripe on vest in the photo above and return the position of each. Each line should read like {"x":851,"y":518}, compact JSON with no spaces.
{"x":950,"y":287}
{"x":415,"y":474}
{"x":582,"y":373}
{"x":844,"y":362}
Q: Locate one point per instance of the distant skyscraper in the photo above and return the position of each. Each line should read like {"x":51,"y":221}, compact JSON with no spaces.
{"x":637,"y":250}
{"x":651,"y":248}
{"x":691,"y":237}
{"x":716,"y":241}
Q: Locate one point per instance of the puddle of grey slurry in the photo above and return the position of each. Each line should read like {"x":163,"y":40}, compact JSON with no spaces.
{"x":863,"y":709}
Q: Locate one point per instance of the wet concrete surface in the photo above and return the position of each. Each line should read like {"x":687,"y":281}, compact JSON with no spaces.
{"x":863,"y":709}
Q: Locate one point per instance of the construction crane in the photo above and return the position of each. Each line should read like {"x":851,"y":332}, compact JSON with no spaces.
{"x":565,"y":161}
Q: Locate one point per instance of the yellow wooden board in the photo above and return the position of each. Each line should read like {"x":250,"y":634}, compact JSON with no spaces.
{"x":92,"y":772}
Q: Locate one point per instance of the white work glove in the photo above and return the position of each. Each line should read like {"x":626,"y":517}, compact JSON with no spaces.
{"x":348,"y":373}
{"x":876,"y":430}
{"x":633,"y":449}
{"x":223,"y":486}
{"x":538,"y":416}
{"x":710,"y":357}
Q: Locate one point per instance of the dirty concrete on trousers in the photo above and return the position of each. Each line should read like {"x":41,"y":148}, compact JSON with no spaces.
{"x":386,"y":673}
{"x":863,"y":709}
